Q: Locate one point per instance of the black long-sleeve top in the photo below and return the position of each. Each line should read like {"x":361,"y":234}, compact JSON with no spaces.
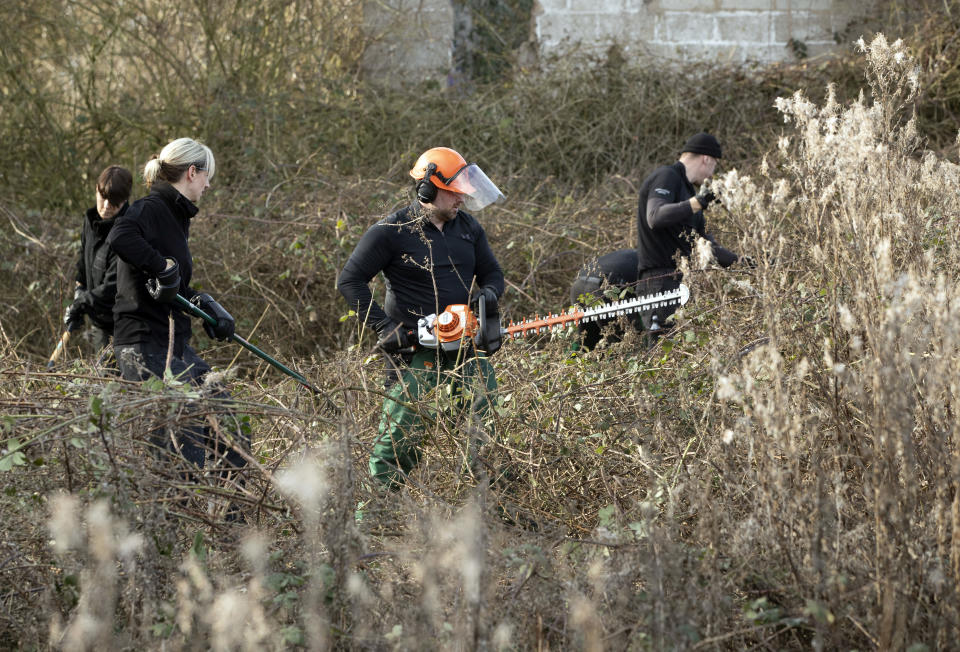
{"x":154,"y":228}
{"x":425,"y":269}
{"x":97,"y":268}
{"x":666,"y":222}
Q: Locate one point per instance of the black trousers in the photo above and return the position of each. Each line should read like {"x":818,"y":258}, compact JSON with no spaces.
{"x":588,"y":287}
{"x":193,"y":437}
{"x":658,"y":280}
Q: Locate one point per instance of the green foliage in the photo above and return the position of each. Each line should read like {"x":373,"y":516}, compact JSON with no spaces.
{"x":11,"y":455}
{"x":199,"y":547}
{"x":293,"y":635}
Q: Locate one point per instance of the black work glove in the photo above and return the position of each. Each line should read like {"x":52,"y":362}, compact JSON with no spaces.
{"x":73,"y":317}
{"x":165,"y":286}
{"x":225,"y":327}
{"x":394,"y":337}
{"x":490,"y":295}
{"x":704,"y":197}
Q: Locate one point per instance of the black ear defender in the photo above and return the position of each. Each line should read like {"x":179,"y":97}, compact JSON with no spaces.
{"x":426,"y":190}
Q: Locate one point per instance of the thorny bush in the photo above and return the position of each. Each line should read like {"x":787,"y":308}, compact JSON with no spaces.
{"x":780,"y":471}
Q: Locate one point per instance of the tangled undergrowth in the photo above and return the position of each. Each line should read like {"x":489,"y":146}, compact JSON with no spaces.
{"x":780,"y":472}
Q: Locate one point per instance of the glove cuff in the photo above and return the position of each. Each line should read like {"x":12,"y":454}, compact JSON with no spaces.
{"x":169,"y":273}
{"x":386,"y":326}
{"x":210,"y":306}
{"x":224,"y":327}
{"x":202,"y":300}
{"x":164,"y":290}
{"x":82,"y":299}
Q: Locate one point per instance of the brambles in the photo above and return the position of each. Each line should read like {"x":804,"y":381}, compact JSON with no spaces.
{"x":780,"y":470}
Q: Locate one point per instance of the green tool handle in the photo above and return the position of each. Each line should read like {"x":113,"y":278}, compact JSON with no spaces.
{"x":197,"y":312}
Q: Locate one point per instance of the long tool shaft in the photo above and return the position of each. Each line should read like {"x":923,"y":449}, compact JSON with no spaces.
{"x":61,"y":346}
{"x":197,"y":312}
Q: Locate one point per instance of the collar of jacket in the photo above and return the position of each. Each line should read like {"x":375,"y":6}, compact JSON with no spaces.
{"x":101,"y":226}
{"x":682,"y":171}
{"x":180,"y":205}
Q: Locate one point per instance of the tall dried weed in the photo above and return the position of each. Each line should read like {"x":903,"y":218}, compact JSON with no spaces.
{"x":780,"y":471}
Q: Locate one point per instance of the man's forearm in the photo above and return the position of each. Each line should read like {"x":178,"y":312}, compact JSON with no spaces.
{"x":661,"y":214}
{"x":724,"y":256}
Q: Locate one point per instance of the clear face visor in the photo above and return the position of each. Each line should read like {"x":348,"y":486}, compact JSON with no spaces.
{"x":477,"y":189}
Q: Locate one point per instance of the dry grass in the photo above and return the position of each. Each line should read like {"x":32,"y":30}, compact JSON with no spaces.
{"x":780,"y":473}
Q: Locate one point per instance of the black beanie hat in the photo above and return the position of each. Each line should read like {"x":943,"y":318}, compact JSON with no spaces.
{"x":703,"y":143}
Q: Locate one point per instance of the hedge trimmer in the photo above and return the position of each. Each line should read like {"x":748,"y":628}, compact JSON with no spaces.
{"x":603,"y":312}
{"x":457,"y":323}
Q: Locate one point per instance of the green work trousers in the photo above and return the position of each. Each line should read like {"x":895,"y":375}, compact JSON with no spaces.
{"x":433,"y":383}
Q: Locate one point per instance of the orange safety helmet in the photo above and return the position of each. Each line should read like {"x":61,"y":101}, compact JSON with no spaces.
{"x":445,"y":161}
{"x":442,"y":167}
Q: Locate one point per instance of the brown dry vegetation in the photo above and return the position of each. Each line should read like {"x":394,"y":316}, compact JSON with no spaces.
{"x":780,"y":473}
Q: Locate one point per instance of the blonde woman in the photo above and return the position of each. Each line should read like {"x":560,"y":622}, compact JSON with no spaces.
{"x":151,"y":242}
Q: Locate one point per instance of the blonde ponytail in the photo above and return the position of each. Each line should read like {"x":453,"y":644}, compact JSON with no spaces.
{"x":151,"y":170}
{"x":176,"y":158}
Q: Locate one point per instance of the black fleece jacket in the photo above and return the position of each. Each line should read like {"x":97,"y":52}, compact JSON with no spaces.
{"x":154,"y":228}
{"x":97,"y":268}
{"x":666,"y":222}
{"x":426,"y":269}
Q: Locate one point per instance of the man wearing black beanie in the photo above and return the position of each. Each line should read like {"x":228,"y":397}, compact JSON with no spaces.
{"x":670,"y":218}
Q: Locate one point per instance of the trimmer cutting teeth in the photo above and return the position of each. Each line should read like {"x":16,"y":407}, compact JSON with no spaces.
{"x":458,"y":323}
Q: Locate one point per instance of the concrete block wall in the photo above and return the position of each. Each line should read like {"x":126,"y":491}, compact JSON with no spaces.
{"x":730,"y":31}
{"x":407,"y":40}
{"x":413,"y":39}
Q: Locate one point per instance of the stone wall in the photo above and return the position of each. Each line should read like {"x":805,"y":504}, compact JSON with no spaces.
{"x":419,"y":37}
{"x":408,"y":38}
{"x":697,"y":30}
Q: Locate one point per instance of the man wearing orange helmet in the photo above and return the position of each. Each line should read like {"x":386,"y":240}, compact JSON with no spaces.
{"x":432,"y":254}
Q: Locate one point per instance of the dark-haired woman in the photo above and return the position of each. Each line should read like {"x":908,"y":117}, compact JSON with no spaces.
{"x":97,"y":263}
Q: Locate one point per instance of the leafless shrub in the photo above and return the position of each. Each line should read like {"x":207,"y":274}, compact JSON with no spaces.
{"x":778,"y":472}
